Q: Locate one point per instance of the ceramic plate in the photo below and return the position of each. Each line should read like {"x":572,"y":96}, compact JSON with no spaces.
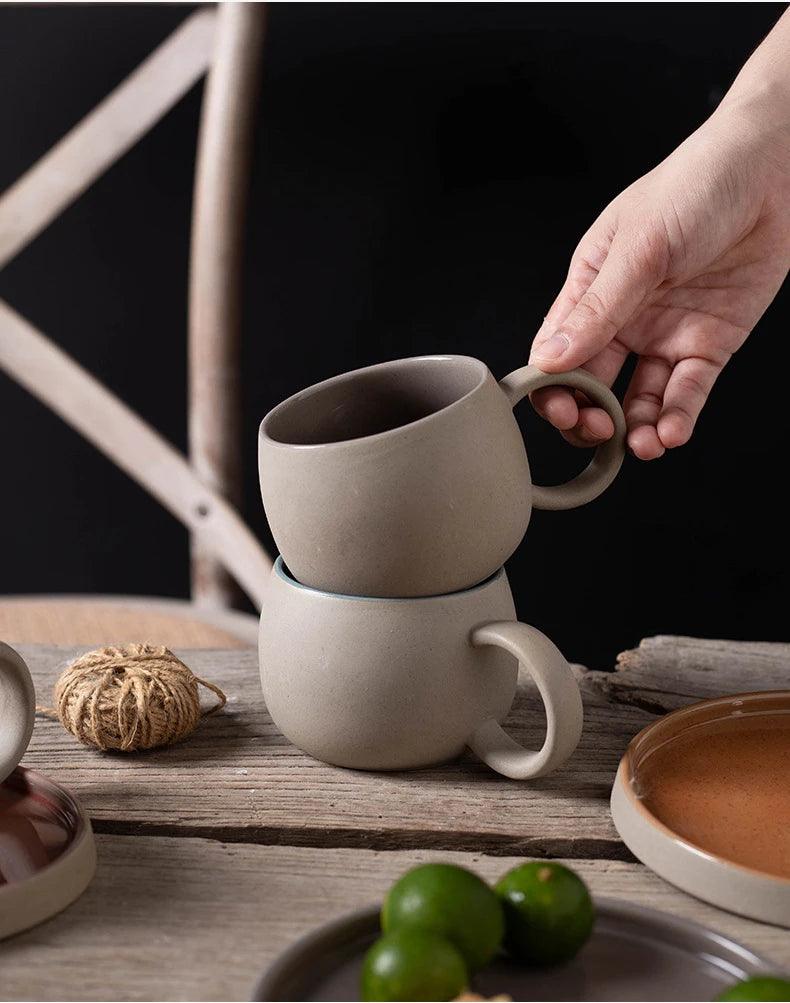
{"x":634,"y":953}
{"x":701,"y":798}
{"x":47,"y":850}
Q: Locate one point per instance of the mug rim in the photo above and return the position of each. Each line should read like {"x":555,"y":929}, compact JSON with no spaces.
{"x":285,"y":575}
{"x":351,"y":374}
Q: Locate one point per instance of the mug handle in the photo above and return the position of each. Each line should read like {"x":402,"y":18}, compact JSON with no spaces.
{"x":608,"y":458}
{"x":17,"y":709}
{"x":561,"y":698}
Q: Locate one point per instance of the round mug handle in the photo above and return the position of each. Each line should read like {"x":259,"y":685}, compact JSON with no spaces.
{"x":561,"y":698}
{"x":608,"y":458}
{"x":17,"y":709}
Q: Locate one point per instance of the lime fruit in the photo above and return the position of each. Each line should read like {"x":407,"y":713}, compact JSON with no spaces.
{"x":451,"y":902}
{"x":412,"y":964}
{"x":548,"y":912}
{"x":759,"y":988}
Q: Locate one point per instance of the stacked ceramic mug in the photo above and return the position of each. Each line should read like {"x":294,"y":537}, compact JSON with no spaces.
{"x":395,"y":494}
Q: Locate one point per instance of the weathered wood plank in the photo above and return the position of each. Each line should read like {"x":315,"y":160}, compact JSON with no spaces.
{"x":238,"y":779}
{"x":664,"y":673}
{"x":191,"y":919}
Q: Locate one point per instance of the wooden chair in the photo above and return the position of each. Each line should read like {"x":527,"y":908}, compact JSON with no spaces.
{"x":226,"y":43}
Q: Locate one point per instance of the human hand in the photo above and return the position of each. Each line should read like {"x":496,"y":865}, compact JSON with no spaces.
{"x":677,"y":269}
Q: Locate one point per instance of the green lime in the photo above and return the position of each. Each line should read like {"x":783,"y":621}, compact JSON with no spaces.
{"x":412,"y":964}
{"x":759,"y":988}
{"x":449,"y":901}
{"x":548,"y":912}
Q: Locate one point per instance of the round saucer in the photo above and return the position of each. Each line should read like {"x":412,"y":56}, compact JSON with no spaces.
{"x":701,"y":797}
{"x":47,"y":850}
{"x":634,"y":953}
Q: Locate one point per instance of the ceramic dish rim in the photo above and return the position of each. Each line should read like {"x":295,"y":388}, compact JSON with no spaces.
{"x":281,"y":569}
{"x":603,"y":903}
{"x":80,"y":851}
{"x":625,"y":775}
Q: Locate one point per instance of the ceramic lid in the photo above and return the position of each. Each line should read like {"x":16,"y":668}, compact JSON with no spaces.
{"x":17,"y":709}
{"x":700,"y":797}
{"x":47,"y":850}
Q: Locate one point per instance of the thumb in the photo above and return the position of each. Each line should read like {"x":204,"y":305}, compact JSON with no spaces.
{"x":621,"y":286}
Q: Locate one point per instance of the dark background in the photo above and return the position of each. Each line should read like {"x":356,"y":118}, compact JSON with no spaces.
{"x":422,"y":175}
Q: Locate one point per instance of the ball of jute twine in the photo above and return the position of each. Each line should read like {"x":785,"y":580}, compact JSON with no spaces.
{"x":134,"y":697}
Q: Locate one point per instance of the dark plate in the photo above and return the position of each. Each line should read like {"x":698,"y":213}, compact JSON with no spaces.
{"x":635,"y":953}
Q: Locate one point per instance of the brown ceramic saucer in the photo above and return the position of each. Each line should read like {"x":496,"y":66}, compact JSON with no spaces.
{"x":634,"y":953}
{"x":702,"y":797}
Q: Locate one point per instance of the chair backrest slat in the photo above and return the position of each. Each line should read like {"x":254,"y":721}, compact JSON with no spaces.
{"x":228,"y":41}
{"x":222,"y":181}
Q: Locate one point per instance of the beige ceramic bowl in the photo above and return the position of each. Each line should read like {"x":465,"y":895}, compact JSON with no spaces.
{"x":702,"y":797}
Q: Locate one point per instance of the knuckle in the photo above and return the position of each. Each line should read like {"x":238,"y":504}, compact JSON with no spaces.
{"x":691,"y":386}
{"x":592,"y":309}
{"x":648,"y":251}
{"x":682,"y":412}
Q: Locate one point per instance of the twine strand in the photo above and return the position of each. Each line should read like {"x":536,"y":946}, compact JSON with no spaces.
{"x":134,"y":697}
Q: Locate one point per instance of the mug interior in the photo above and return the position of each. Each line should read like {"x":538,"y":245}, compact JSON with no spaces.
{"x":374,"y":400}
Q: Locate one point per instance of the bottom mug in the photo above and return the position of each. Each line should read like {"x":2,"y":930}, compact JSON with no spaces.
{"x":396,"y":684}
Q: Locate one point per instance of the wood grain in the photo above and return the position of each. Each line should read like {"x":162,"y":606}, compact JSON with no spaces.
{"x":664,"y":672}
{"x":222,"y":174}
{"x":26,"y":208}
{"x":192,"y":919}
{"x":238,"y":779}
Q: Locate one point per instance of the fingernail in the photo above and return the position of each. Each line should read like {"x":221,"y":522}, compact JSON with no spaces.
{"x":553,"y":348}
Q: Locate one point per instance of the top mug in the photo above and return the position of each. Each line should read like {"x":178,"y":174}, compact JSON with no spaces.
{"x":410,"y":478}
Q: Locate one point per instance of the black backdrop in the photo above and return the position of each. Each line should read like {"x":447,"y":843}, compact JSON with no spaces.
{"x":422,"y":175}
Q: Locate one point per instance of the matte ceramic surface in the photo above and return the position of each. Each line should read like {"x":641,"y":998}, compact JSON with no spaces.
{"x":410,"y":478}
{"x":47,"y":850}
{"x":17,"y":709}
{"x":701,"y":797}
{"x":391,"y":684}
{"x":634,"y":954}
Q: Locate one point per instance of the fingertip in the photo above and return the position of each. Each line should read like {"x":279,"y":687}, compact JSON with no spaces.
{"x":558,"y":365}
{"x":645,"y":444}
{"x":575,"y":437}
{"x":595,"y":424}
{"x":674,"y":429}
{"x":557,"y":406}
{"x":548,"y":354}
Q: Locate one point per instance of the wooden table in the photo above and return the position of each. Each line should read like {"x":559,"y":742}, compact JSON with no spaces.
{"x":216,"y":853}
